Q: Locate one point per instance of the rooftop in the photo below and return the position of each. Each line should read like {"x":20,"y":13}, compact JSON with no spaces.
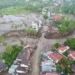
{"x":55,"y":56}
{"x":71,"y":55}
{"x":57,"y":17}
{"x":63,"y":48}
{"x":52,"y":74}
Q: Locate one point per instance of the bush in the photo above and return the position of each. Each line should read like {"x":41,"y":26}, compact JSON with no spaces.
{"x":45,"y":16}
{"x":21,"y":42}
{"x":56,"y":45}
{"x":53,"y":49}
{"x":30,"y":31}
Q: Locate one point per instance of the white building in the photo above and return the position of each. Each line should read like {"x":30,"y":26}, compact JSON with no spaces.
{"x":44,"y":11}
{"x":36,"y":26}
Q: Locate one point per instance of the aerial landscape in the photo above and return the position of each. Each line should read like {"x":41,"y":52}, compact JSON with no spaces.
{"x":37,"y":37}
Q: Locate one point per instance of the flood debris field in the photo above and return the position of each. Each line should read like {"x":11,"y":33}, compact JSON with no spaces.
{"x":19,"y":22}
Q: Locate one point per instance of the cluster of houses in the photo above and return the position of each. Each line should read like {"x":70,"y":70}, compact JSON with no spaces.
{"x":22,"y":64}
{"x":50,"y":59}
{"x":52,"y":28}
{"x":47,"y":11}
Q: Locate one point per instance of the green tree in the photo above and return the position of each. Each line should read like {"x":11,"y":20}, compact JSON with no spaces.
{"x":4,"y":43}
{"x":70,"y":42}
{"x":63,"y":28}
{"x":56,"y":45}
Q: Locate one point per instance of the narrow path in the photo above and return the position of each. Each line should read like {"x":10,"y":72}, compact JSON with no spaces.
{"x":36,"y":57}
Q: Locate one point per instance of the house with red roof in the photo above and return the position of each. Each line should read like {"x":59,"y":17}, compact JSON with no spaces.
{"x":57,"y":17}
{"x":71,"y":55}
{"x":56,"y":57}
{"x":63,"y":49}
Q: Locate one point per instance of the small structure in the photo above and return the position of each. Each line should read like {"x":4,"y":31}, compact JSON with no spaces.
{"x":71,"y":55}
{"x":46,"y":11}
{"x":36,"y":25}
{"x":56,"y":57}
{"x":51,"y":74}
{"x":63,"y":49}
{"x":12,"y":69}
{"x":57,"y":17}
{"x":49,"y":14}
{"x":3,"y":66}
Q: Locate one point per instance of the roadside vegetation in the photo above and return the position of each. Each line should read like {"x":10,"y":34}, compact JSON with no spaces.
{"x":32,"y":32}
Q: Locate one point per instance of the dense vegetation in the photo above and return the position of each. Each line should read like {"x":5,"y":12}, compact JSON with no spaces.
{"x":63,"y":66}
{"x":69,"y":7}
{"x":21,"y":6}
{"x":71,"y":42}
{"x":11,"y":53}
{"x":65,"y":25}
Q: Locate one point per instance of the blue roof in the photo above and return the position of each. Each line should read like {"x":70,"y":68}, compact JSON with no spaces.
{"x":46,"y":68}
{"x":12,"y":69}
